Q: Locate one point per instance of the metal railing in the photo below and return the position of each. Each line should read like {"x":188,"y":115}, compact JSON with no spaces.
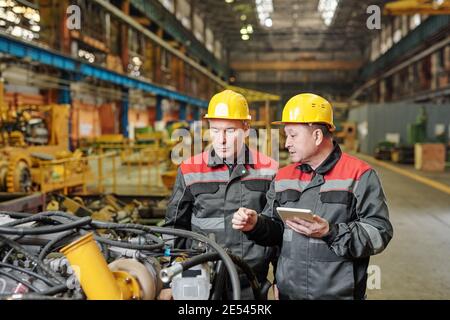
{"x":135,"y":168}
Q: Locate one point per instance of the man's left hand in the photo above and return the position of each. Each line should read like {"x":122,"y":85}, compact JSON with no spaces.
{"x":317,"y":229}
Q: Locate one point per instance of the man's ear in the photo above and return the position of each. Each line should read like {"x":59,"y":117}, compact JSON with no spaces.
{"x":318,"y":137}
{"x":246,"y":128}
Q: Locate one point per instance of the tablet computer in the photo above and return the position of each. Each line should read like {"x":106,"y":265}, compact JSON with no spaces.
{"x":290,"y":213}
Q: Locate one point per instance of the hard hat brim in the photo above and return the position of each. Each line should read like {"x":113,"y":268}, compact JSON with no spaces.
{"x":331,"y":127}
{"x":227,"y":118}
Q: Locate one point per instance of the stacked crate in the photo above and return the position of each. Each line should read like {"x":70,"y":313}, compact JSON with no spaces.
{"x":429,"y":156}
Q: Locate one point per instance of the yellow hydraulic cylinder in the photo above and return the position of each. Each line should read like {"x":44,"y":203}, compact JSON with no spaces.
{"x":97,"y":281}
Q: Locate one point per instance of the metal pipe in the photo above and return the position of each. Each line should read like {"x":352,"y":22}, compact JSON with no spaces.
{"x":96,"y":279}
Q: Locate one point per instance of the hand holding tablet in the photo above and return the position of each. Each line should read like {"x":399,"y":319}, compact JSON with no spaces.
{"x":291,"y":213}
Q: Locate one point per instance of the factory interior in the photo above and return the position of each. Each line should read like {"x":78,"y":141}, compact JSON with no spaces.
{"x":102,"y":100}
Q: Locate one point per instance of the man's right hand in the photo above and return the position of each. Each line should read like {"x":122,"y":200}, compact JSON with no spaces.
{"x":244,"y":219}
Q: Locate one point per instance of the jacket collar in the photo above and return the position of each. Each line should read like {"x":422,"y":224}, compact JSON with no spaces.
{"x":327,"y":164}
{"x":244,"y":157}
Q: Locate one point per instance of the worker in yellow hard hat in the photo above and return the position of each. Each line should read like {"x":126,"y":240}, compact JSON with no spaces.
{"x":212,"y":185}
{"x":325,"y":249}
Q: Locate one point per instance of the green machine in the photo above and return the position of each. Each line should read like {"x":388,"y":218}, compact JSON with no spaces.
{"x":417,"y":131}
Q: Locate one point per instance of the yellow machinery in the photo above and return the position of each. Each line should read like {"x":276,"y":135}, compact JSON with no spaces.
{"x":347,"y":135}
{"x":124,"y":279}
{"x":409,"y":7}
{"x":34,"y":148}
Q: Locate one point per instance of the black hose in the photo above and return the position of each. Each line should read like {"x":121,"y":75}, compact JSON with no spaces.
{"x":254,"y":283}
{"x":27,"y":217}
{"x":127,"y":226}
{"x":33,"y":241}
{"x":29,"y":272}
{"x":5,"y":258}
{"x":30,"y":296}
{"x":234,"y":278}
{"x":36,"y":218}
{"x":219,"y":281}
{"x":12,"y":238}
{"x":43,"y":295}
{"x":54,"y":290}
{"x":214,"y":256}
{"x":265,"y":289}
{"x":202,"y":258}
{"x":16,"y":215}
{"x":51,"y":243}
{"x":47,"y":229}
{"x":83,"y":222}
{"x":128,"y":245}
{"x":28,"y":255}
{"x":18,"y":280}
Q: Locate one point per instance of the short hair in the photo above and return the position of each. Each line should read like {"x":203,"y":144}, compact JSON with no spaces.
{"x":324,"y":128}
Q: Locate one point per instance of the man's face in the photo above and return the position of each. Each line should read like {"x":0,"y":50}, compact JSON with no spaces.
{"x":300,"y":142}
{"x":228,"y":137}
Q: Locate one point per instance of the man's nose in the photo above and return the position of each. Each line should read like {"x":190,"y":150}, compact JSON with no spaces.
{"x":288,"y":143}
{"x":222,"y":137}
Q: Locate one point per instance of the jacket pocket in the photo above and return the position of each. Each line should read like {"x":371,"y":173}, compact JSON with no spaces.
{"x":331,"y":280}
{"x":288,"y":196}
{"x":207,"y":198}
{"x":342,"y":197}
{"x":257,"y":185}
{"x":254,"y":194}
{"x":202,"y":188}
{"x":337,"y":206}
{"x":320,"y":251}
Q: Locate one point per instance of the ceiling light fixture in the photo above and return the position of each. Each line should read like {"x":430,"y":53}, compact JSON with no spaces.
{"x":264,"y":9}
{"x":327,"y":9}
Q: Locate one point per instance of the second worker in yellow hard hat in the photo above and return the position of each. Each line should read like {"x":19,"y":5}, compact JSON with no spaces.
{"x":324,"y":255}
{"x":212,"y":185}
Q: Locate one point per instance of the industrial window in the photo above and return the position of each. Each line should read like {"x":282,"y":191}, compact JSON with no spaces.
{"x":209,"y":40}
{"x":383,"y":47}
{"x":218,"y":49}
{"x":414,"y":21}
{"x":165,"y":60}
{"x":397,"y":29}
{"x":375,"y":52}
{"x":183,"y":13}
{"x":168,"y":4}
{"x":199,"y":28}
{"x":388,"y":36}
{"x":22,"y":21}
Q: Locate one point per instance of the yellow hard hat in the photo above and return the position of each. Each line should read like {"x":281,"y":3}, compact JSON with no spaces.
{"x":307,"y":108}
{"x":228,"y":105}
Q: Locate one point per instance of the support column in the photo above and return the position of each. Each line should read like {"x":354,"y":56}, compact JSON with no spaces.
{"x":124,"y":113}
{"x":159,"y":111}
{"x":125,"y":50}
{"x":64,"y":97}
{"x":182,"y":113}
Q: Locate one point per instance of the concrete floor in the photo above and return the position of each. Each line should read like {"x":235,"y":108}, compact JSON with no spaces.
{"x":416,"y":264}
